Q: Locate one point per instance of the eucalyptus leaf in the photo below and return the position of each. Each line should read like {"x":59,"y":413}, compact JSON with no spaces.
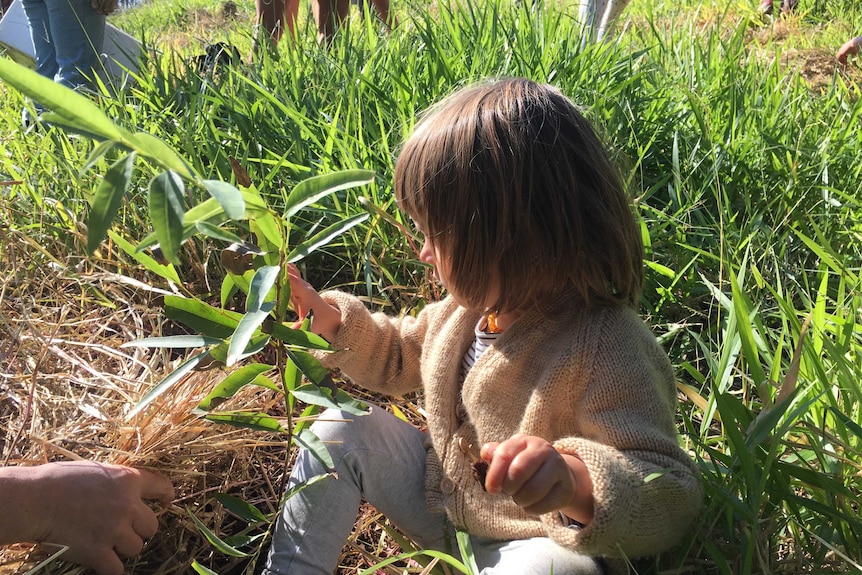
{"x":74,"y":110}
{"x":201,"y":570}
{"x":324,"y":237}
{"x":241,"y":508}
{"x":327,"y":397}
{"x":261,"y":284}
{"x":107,"y":199}
{"x":216,"y":233}
{"x":246,"y":420}
{"x":228,"y":197}
{"x":239,"y":378}
{"x":245,"y":329}
{"x":202,"y":317}
{"x":168,"y":272}
{"x":312,"y":189}
{"x":157,"y":150}
{"x":174,"y":342}
{"x":214,"y":539}
{"x":297,"y":337}
{"x":310,"y":442}
{"x":165,"y":200}
{"x":167,"y":383}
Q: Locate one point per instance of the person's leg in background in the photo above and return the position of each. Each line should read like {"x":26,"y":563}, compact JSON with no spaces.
{"x":273,"y":18}
{"x":598,"y":17}
{"x":40,"y":32}
{"x":383,"y":9}
{"x":329,"y":15}
{"x":77,"y":32}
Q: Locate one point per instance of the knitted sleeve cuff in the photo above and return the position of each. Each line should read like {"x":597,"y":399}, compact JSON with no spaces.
{"x":613,"y":493}
{"x":354,"y":316}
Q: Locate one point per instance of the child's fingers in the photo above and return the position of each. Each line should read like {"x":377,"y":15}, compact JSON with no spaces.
{"x":545,"y":490}
{"x":506,"y":468}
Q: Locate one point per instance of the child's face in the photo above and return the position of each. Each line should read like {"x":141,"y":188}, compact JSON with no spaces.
{"x":430,"y":255}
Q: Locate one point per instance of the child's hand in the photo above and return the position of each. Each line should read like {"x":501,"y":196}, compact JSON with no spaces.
{"x":326,"y":319}
{"x":538,"y":478}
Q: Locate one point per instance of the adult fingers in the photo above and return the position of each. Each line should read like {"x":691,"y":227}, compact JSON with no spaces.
{"x":145,"y":523}
{"x":155,"y":486}
{"x":105,"y":562}
{"x":127,"y":543}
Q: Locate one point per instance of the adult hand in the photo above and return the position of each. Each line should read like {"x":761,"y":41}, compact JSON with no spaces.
{"x":849,"y":48}
{"x":538,"y":478}
{"x":97,"y":510}
{"x":104,"y":7}
{"x":326,"y":320}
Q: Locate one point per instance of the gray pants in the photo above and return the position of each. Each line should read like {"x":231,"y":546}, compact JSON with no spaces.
{"x":598,"y":17}
{"x":381,"y":459}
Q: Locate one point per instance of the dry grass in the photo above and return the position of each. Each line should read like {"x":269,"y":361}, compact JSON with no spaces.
{"x":66,"y":386}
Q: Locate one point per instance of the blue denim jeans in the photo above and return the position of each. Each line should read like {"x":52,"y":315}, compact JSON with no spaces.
{"x":67,"y":36}
{"x":381,"y":459}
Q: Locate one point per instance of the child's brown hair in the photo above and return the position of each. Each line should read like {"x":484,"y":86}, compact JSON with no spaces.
{"x":513,"y":185}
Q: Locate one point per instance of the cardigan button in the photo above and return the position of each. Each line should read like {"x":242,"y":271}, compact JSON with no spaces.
{"x":447,"y":486}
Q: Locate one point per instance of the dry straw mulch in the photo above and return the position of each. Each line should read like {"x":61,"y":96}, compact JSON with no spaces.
{"x":65,"y":389}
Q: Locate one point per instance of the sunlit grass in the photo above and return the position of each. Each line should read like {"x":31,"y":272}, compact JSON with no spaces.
{"x":747,"y":182}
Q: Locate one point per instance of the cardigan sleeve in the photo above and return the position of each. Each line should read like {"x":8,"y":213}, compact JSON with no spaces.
{"x":378,"y":352}
{"x":646,"y":489}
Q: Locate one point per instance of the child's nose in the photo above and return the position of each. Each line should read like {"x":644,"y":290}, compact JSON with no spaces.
{"x":426,"y":254}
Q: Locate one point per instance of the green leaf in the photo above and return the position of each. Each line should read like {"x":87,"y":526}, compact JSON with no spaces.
{"x":327,"y":397}
{"x":174,"y":342}
{"x":106,"y":202}
{"x":244,"y":331}
{"x":269,"y":232}
{"x":742,"y":307}
{"x":241,"y":508}
{"x":165,"y":201}
{"x":201,"y":317}
{"x":297,"y":337}
{"x":167,"y":383}
{"x":214,"y":540}
{"x":217,"y":233}
{"x":310,"y":442}
{"x":300,"y":486}
{"x":312,"y":189}
{"x":322,"y":390}
{"x":154,"y":148}
{"x":98,"y":152}
{"x":229,"y":386}
{"x":201,"y":570}
{"x":324,"y":237}
{"x":466,"y":549}
{"x":246,"y":420}
{"x":168,"y":272}
{"x":228,"y":197}
{"x":261,"y":284}
{"x":70,"y":108}
{"x":228,"y":289}
{"x":445,"y":558}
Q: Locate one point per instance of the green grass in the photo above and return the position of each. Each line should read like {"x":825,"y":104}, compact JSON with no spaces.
{"x":747,"y":182}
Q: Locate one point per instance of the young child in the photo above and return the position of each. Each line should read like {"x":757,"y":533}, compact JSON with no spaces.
{"x":536,"y":361}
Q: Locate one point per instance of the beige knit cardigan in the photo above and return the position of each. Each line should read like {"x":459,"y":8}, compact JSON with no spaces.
{"x":594,"y":383}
